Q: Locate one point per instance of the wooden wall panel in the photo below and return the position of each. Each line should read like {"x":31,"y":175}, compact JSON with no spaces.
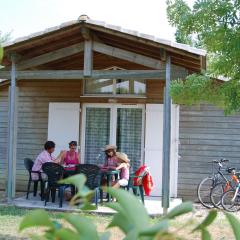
{"x":155,"y":90}
{"x":33,"y":103}
{"x":3,"y":134}
{"x":205,"y":134}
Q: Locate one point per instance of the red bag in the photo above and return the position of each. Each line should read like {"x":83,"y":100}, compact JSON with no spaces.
{"x":145,"y":180}
{"x":140,"y":172}
{"x":147,"y":184}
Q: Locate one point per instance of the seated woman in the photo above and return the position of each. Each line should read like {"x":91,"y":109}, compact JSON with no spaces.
{"x":70,"y":158}
{"x":43,"y":157}
{"x":111,"y":159}
{"x":123,"y":166}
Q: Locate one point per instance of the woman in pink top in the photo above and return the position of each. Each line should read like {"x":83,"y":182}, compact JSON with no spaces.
{"x":70,"y":158}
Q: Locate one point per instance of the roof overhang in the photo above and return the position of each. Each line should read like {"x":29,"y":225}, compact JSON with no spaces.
{"x":71,"y":32}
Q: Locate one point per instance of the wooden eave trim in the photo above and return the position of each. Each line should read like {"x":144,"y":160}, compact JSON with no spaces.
{"x":142,"y":40}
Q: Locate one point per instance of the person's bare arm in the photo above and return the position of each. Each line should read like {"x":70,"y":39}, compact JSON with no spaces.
{"x":122,"y":165}
{"x":60,"y":157}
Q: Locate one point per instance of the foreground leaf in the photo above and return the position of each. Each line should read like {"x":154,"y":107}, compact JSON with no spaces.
{"x":83,"y":195}
{"x":105,"y":236}
{"x":66,"y":234}
{"x":155,"y":229}
{"x":120,"y":219}
{"x":205,"y":234}
{"x":133,"y":209}
{"x":84,"y":226}
{"x":235,"y":224}
{"x":207,"y":221}
{"x":36,"y":218}
{"x":132,"y":235}
{"x":1,"y":53}
{"x":78,"y":180}
{"x":183,"y":208}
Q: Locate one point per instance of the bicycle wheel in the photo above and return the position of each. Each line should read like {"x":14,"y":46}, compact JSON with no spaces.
{"x":228,"y":203}
{"x":204,"y":191}
{"x":216,"y":194}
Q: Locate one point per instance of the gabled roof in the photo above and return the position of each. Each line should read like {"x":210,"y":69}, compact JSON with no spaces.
{"x":113,"y":37}
{"x":105,"y":26}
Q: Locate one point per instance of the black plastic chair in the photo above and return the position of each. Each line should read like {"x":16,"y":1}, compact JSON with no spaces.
{"x":93,"y":175}
{"x":28,"y":163}
{"x":54,"y":173}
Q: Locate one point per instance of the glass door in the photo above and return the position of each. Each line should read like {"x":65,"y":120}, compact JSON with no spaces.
{"x":129,"y":137}
{"x":117,"y":124}
{"x":97,"y":133}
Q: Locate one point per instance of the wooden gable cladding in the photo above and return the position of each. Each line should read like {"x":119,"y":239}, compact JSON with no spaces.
{"x":120,"y":42}
{"x":100,"y":61}
{"x":154,"y":91}
{"x":42,"y":44}
{"x":139,"y":48}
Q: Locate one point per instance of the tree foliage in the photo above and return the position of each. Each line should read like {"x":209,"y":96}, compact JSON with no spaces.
{"x":214,"y":26}
{"x":3,"y":38}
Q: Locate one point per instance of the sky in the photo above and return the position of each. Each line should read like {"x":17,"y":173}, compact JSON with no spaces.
{"x":24,"y":17}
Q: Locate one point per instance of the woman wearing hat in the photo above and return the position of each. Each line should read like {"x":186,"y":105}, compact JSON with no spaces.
{"x":123,"y":166}
{"x":111,"y":159}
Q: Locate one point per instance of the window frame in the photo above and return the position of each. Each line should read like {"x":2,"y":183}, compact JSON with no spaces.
{"x":114,"y":93}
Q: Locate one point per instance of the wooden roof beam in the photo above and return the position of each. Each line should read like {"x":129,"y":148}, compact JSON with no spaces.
{"x":127,"y":55}
{"x":51,"y":56}
{"x":141,"y":40}
{"x":79,"y":74}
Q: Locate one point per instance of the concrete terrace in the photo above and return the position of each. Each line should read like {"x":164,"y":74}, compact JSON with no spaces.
{"x":152,"y":204}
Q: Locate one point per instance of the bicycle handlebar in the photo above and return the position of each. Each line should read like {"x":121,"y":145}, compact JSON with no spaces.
{"x":220,"y":161}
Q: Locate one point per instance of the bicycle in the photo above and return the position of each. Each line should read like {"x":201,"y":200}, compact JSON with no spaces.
{"x":231,"y":199}
{"x":206,"y":185}
{"x":220,"y":188}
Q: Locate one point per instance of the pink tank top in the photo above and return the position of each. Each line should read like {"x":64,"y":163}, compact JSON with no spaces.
{"x":124,"y":173}
{"x":68,"y":161}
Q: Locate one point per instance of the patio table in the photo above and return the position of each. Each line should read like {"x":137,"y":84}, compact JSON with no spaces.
{"x":108,"y":173}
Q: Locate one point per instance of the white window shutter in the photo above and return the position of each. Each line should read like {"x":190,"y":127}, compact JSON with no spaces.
{"x":153,"y":144}
{"x":63,"y":124}
{"x":174,"y":149}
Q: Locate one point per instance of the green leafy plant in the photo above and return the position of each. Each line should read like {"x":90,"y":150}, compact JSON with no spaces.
{"x":214,"y":26}
{"x":201,"y":89}
{"x":1,"y":53}
{"x":131,"y":217}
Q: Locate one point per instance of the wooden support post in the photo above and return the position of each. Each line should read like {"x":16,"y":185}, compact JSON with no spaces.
{"x":166,"y":139}
{"x":88,"y":58}
{"x":203,"y":63}
{"x":12,"y":132}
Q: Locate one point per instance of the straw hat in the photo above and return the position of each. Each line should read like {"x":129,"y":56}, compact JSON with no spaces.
{"x":110,"y":147}
{"x":122,"y":156}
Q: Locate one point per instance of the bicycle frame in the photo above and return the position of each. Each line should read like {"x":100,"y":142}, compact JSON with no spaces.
{"x":219,"y":173}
